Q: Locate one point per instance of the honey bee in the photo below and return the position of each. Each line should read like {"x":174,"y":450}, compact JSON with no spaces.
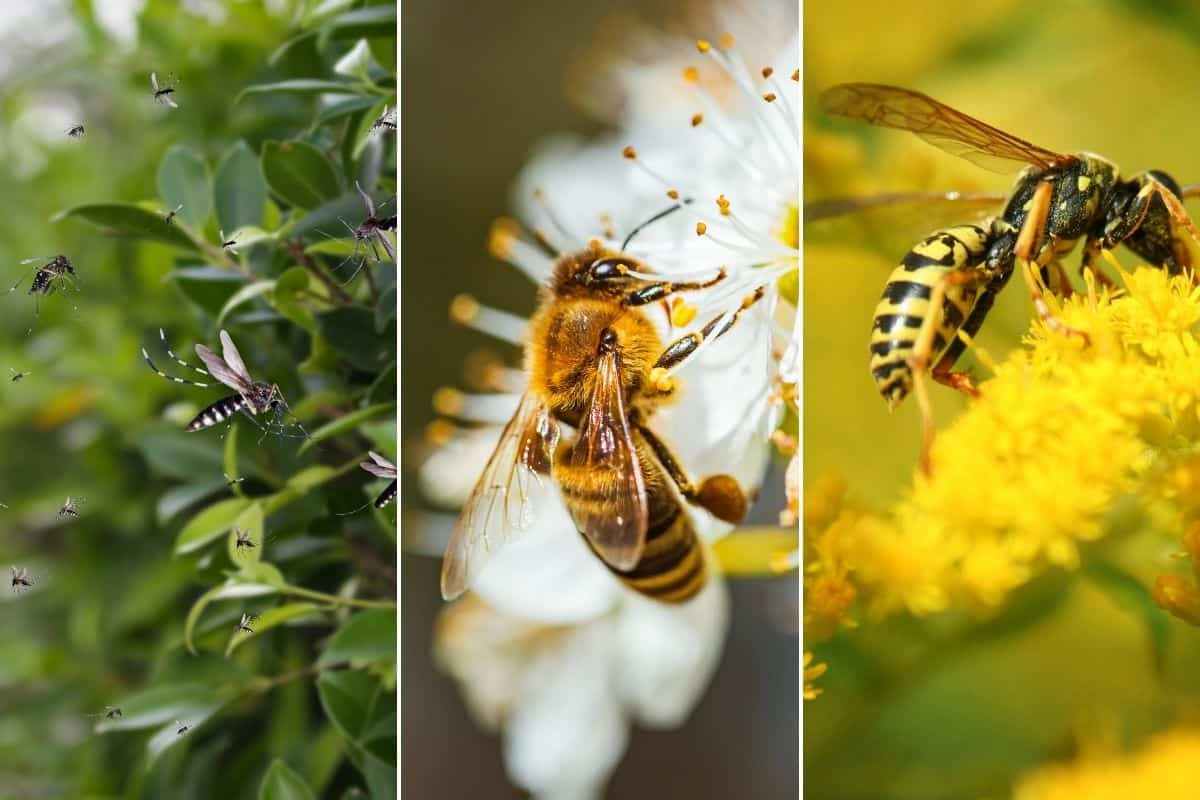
{"x":946,"y":285}
{"x":595,"y":362}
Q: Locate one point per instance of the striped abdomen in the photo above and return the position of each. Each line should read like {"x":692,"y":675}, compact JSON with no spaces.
{"x":905,"y":304}
{"x":386,"y":496}
{"x":672,"y":567}
{"x":217,"y":413}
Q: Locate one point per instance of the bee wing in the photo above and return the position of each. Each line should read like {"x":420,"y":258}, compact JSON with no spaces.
{"x":937,"y":123}
{"x":233,"y":358}
{"x":614,"y":519}
{"x":502,"y":503}
{"x":218,"y":369}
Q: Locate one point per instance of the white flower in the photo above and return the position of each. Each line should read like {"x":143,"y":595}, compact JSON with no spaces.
{"x":550,"y":647}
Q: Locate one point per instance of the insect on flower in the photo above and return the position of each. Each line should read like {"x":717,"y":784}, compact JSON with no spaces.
{"x":20,"y":579}
{"x":252,"y":398}
{"x":244,"y":625}
{"x":71,"y":507}
{"x":386,"y":121}
{"x":170,"y":217}
{"x":76,"y":131}
{"x":163,"y":94}
{"x":946,"y":285}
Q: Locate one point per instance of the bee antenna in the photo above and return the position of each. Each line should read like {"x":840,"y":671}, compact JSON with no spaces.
{"x":664,"y":213}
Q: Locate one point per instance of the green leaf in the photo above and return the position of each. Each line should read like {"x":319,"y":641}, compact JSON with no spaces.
{"x":250,"y":521}
{"x":343,"y":108}
{"x":178,"y":454}
{"x":208,"y":287}
{"x":371,"y":21}
{"x":1134,"y":596}
{"x":367,"y":636}
{"x":291,"y":283}
{"x":345,"y":423}
{"x":183,"y":178}
{"x":231,"y":589}
{"x":384,"y":50}
{"x":351,"y":333}
{"x":168,"y":736}
{"x":244,"y":295}
{"x":128,"y":220}
{"x":346,"y":696}
{"x":158,"y":705}
{"x":283,"y":783}
{"x":297,"y":86}
{"x":299,"y":173}
{"x":229,"y":460}
{"x":209,"y":524}
{"x":240,"y":190}
{"x":271,"y":618}
{"x":363,"y":133}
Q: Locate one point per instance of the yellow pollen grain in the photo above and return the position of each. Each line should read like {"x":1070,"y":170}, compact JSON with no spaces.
{"x":701,"y":228}
{"x":796,"y":76}
{"x":673,"y":194}
{"x":447,"y":401}
{"x":463,"y":308}
{"x":697,"y":119}
{"x":660,"y":380}
{"x":682,"y":312}
{"x":703,"y":45}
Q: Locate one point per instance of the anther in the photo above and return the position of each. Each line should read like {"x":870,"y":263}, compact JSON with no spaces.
{"x":691,"y":75}
{"x":701,"y":228}
{"x":503,"y":233}
{"x":768,"y":72}
{"x":463,"y":308}
{"x":697,"y":119}
{"x":447,"y":401}
{"x":439,"y":432}
{"x":769,"y":97}
{"x":629,"y":152}
{"x":726,"y":41}
{"x":723,"y":205}
{"x":673,"y":194}
{"x":682,"y":312}
{"x":703,"y":45}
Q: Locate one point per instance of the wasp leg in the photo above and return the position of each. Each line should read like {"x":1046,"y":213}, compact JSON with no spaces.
{"x":1026,"y":251}
{"x":719,"y":495}
{"x":922,"y":351}
{"x":681,"y":349}
{"x":1179,"y":215}
{"x":1091,"y":250}
{"x":661,"y":290}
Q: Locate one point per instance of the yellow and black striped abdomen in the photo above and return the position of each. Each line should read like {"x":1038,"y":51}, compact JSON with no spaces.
{"x":905,"y":304}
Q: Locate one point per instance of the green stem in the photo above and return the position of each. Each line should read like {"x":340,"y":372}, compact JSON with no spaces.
{"x":299,"y":591}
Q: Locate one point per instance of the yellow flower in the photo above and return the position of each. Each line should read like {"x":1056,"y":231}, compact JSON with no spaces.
{"x":1028,"y":472}
{"x":811,"y":674}
{"x":1167,"y":768}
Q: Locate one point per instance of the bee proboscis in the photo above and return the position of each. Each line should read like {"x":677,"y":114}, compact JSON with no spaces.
{"x":945,"y":286}
{"x":596,"y":363}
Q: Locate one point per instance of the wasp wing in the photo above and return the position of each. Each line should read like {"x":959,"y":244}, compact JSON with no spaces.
{"x":819,"y":210}
{"x":937,"y":123}
{"x":502,"y":503}
{"x":219,"y":370}
{"x":614,"y":517}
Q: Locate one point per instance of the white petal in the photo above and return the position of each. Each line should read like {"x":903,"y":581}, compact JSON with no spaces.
{"x":449,"y":474}
{"x":668,"y":653}
{"x":568,"y":731}
{"x":549,"y":574}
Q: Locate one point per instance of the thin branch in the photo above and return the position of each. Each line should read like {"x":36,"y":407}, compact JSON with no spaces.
{"x":296,"y":249}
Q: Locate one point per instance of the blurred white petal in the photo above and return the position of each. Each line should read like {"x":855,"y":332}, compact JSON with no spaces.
{"x":451,"y":470}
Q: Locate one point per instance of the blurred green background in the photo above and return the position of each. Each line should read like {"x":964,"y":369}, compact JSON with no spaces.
{"x":483,"y":84}
{"x":104,"y":624}
{"x":910,"y":711}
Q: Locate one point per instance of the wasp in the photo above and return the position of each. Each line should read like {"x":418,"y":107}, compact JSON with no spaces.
{"x":943,"y":289}
{"x":163,"y":94}
{"x":20,"y":579}
{"x":252,"y":398}
{"x":595,"y":362}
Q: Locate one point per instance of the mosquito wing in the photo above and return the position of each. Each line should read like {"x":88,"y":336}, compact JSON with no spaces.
{"x":154,"y":81}
{"x":233,"y":358}
{"x":939,"y":124}
{"x":222,"y":372}
{"x":379,"y":466}
{"x":170,"y":101}
{"x":614,"y":515}
{"x":505,"y":498}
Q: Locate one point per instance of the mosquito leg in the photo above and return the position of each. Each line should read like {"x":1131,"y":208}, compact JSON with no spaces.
{"x":720,"y":495}
{"x":162,"y":335}
{"x":387,"y":246}
{"x":681,"y":349}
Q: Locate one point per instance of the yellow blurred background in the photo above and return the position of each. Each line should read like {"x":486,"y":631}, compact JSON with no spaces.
{"x":908,"y":710}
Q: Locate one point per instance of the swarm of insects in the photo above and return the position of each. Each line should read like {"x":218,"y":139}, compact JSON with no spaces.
{"x":595,"y":362}
{"x":244,"y":625}
{"x":20,"y":579}
{"x":946,"y":284}
{"x":76,"y":131}
{"x":70,"y":508}
{"x":386,"y":121}
{"x":252,"y":398}
{"x":164,"y":93}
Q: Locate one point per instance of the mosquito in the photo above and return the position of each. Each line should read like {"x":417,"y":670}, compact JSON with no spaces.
{"x":182,"y":727}
{"x":16,"y":376}
{"x":231,"y":482}
{"x":382,"y":468}
{"x":244,"y":625}
{"x":368,"y":236}
{"x":170,"y":217}
{"x":76,"y":131}
{"x":228,"y":245}
{"x":387,"y":120}
{"x":54,"y":273}
{"x":243,"y":541}
{"x":20,"y":579}
{"x":162,"y":94}
{"x":109,"y":712}
{"x":252,"y":398}
{"x":71,"y":507}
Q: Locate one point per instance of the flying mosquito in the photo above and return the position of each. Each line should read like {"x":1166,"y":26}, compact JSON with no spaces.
{"x":71,"y":507}
{"x":76,"y":131}
{"x":252,"y":398}
{"x":387,"y":120}
{"x":16,"y":376}
{"x":170,"y":217}
{"x":382,"y":468}
{"x":54,"y":273}
{"x":231,"y":482}
{"x":109,"y":712}
{"x":182,"y":727}
{"x":20,"y":579}
{"x":228,"y":245}
{"x":244,"y":625}
{"x":162,"y":94}
{"x":243,"y":540}
{"x":368,"y":236}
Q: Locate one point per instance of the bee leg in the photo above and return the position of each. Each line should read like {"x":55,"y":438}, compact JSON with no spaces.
{"x":682,"y":348}
{"x":1091,"y":250}
{"x":719,"y":495}
{"x":1026,"y":250}
{"x":658,"y":291}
